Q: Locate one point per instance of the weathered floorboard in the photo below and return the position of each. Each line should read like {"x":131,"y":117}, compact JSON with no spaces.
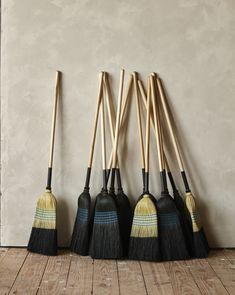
{"x":181,"y":279}
{"x":30,"y":275}
{"x":80,"y":276}
{"x":10,"y":266}
{"x":55,"y":276}
{"x":205,"y":277}
{"x":131,"y":280}
{"x":156,"y":278}
{"x":105,"y":277}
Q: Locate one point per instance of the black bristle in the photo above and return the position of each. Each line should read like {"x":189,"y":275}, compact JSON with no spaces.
{"x":81,"y":231}
{"x":105,"y":240}
{"x":172,"y":240}
{"x":124,"y":219}
{"x":43,"y":241}
{"x":185,"y":218}
{"x":146,"y":249}
{"x":201,"y":247}
{"x":124,"y":214}
{"x":186,"y":224}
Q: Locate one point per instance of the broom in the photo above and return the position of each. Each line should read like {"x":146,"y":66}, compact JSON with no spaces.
{"x":105,"y":239}
{"x":144,"y":242}
{"x":200,"y":244}
{"x":172,"y":241}
{"x":121,"y":200}
{"x":43,"y":238}
{"x":140,"y":129}
{"x":180,"y":205}
{"x":81,"y":230}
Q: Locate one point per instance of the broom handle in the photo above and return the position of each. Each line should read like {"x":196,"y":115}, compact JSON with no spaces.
{"x":112,"y":126}
{"x":147,"y":137}
{"x":161,"y":155}
{"x":144,"y":99}
{"x":170,"y":175}
{"x":159,"y":130}
{"x":156,"y":115}
{"x":129,"y":87}
{"x":156,"y":124}
{"x":173,"y":138}
{"x":109,"y":98}
{"x":52,"y":140}
{"x":120,"y":95}
{"x":139,"y":125}
{"x":103,"y":145}
{"x":94,"y":131}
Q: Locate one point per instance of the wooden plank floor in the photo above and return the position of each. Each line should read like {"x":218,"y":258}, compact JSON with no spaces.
{"x":26,"y":273}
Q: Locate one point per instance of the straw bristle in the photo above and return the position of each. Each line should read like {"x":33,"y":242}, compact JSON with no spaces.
{"x":150,"y":196}
{"x":105,"y":239}
{"x":172,"y":241}
{"x":43,"y":238}
{"x":124,"y":218}
{"x":200,"y":244}
{"x":81,"y":231}
{"x":144,"y":243}
{"x":186,"y":224}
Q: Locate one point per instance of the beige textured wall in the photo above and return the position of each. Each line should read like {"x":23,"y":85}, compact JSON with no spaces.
{"x":189,"y":42}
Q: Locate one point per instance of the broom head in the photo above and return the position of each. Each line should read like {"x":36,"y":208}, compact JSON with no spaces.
{"x":144,"y":243}
{"x":124,"y":218}
{"x":43,"y":238}
{"x":200,"y":244}
{"x":185,"y":218}
{"x":172,"y":240}
{"x":81,"y":231}
{"x":105,"y":238}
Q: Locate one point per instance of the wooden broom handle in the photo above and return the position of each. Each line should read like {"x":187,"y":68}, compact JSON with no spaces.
{"x":103,"y":142}
{"x":156,"y":124}
{"x":166,"y":112}
{"x":128,"y":93}
{"x":99,"y":97}
{"x":144,"y":99}
{"x":54,"y":113}
{"x":119,"y":107}
{"x":110,"y":114}
{"x":129,"y":87}
{"x":166,"y":163}
{"x":147,"y":135}
{"x":159,"y":121}
{"x":139,"y":120}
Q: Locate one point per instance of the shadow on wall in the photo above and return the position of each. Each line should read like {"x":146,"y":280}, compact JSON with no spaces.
{"x":63,"y":225}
